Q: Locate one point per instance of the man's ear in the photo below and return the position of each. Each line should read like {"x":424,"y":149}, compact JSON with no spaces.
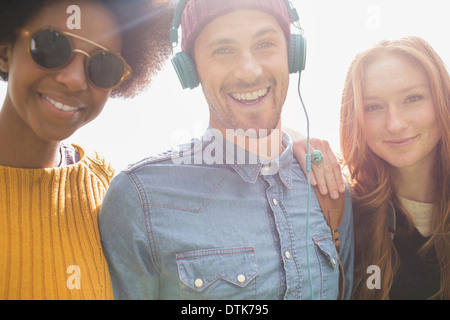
{"x":5,"y":54}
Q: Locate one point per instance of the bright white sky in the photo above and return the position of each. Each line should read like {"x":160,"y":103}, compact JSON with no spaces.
{"x":336,"y":30}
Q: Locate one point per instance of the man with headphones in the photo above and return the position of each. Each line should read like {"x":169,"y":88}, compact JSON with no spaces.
{"x":216,"y":218}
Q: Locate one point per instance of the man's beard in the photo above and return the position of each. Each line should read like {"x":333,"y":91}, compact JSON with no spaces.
{"x":258,"y":125}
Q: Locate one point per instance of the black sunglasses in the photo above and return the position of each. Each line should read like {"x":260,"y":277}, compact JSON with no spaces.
{"x":52,"y":50}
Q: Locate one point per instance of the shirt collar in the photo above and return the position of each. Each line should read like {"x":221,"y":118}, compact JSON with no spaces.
{"x":247,"y":165}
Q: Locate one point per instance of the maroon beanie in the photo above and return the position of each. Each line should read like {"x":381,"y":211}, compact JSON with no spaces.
{"x":198,"y":13}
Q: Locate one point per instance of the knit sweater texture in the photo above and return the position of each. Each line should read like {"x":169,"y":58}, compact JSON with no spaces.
{"x":49,"y":240}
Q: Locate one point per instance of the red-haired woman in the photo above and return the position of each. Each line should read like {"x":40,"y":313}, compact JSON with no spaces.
{"x":395,"y":141}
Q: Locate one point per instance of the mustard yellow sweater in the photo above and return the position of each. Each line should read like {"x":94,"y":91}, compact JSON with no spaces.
{"x":49,"y":239}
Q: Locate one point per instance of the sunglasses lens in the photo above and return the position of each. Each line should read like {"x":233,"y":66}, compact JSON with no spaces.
{"x":50,"y":49}
{"x":105,"y":70}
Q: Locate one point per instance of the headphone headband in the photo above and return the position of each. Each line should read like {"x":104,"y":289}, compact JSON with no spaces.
{"x":177,"y":20}
{"x":293,"y":15}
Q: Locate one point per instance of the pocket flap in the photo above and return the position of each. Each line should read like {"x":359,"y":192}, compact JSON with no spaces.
{"x":326,"y":246}
{"x":198,"y":269}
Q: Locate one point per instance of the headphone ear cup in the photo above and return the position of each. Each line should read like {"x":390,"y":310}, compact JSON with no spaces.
{"x":185,"y":68}
{"x":297,"y":53}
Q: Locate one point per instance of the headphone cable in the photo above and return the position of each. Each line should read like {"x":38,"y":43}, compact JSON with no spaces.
{"x":308,"y":170}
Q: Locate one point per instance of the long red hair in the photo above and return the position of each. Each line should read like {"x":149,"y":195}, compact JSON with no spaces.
{"x":371,"y":177}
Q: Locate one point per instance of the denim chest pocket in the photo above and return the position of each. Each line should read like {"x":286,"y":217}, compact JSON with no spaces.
{"x":328,"y":265}
{"x":225,"y":273}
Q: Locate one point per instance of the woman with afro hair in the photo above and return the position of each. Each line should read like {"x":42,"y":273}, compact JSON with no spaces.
{"x":58,"y":79}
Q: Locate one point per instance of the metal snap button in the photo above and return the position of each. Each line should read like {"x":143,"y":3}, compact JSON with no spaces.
{"x":241,"y":278}
{"x":198,"y":283}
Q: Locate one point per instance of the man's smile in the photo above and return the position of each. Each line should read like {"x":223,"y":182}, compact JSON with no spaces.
{"x":250,"y":97}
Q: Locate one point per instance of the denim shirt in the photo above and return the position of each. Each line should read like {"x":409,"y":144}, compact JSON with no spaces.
{"x":186,"y":228}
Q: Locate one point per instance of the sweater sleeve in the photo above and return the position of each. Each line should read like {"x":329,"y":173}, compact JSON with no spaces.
{"x":125,"y":242}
